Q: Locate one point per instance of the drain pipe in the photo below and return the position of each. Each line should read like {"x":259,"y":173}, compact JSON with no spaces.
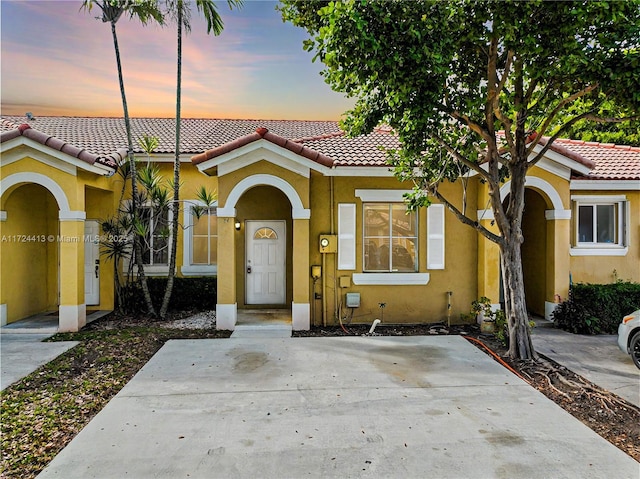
{"x":449,"y":294}
{"x":332,"y":213}
{"x":324,"y":290}
{"x":373,"y":326}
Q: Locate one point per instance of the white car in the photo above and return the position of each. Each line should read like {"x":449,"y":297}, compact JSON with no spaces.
{"x":629,"y":336}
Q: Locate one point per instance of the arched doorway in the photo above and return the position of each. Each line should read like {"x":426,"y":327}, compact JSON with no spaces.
{"x":31,"y":252}
{"x":545,"y":249}
{"x":264,"y":245}
{"x":231,"y":239}
{"x":534,"y":251}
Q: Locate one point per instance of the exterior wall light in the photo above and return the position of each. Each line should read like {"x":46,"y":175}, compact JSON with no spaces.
{"x":316,"y":272}
{"x":237,"y":226}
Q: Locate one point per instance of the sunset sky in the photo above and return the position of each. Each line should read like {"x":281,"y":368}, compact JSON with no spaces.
{"x":57,"y":60}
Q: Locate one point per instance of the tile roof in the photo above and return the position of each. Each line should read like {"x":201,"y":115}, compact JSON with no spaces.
{"x":328,"y":149}
{"x":364,"y":150}
{"x":11,"y":130}
{"x":104,"y":135}
{"x":324,"y":139}
{"x":558,"y":148}
{"x":612,"y":162}
{"x":263,"y":133}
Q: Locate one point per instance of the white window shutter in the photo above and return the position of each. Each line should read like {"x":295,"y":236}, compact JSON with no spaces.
{"x":346,"y":236}
{"x":435,"y":237}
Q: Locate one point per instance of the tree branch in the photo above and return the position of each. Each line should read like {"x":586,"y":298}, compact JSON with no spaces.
{"x":554,"y":137}
{"x":530,"y":90}
{"x":559,"y":107}
{"x":465,"y":219}
{"x":472,"y":125}
{"x":474,"y":166}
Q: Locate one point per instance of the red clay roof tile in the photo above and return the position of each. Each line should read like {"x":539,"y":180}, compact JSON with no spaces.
{"x":321,"y":141}
{"x":10,"y":131}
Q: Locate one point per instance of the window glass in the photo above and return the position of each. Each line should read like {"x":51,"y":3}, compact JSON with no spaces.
{"x":390,"y":238}
{"x":376,"y":220}
{"x":204,"y":238}
{"x":585,"y":224}
{"x":601,"y":223}
{"x":265,"y":233}
{"x":606,"y":224}
{"x":156,"y":240}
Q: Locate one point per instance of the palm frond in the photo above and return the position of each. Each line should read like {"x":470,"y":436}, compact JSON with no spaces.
{"x":206,"y":196}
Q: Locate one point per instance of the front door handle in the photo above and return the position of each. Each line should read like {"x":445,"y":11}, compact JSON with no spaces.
{"x":97,"y":270}
{"x":248,"y":269}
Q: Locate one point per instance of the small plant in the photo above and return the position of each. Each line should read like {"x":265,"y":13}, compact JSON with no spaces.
{"x":494,"y":320}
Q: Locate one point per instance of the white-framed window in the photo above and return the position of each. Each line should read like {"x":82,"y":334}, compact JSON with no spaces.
{"x":600,"y":225}
{"x":390,"y":238}
{"x":155,"y":247}
{"x":402,"y":266}
{"x":200,"y":255}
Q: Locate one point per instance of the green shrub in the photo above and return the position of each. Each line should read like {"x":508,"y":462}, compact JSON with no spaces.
{"x":483,"y":306}
{"x":597,"y":308}
{"x":188,"y":294}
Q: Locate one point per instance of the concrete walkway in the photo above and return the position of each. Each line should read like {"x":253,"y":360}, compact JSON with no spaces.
{"x":334,"y":407}
{"x":21,"y":354}
{"x":596,"y":358}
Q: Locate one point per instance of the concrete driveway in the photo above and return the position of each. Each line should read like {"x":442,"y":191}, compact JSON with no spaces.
{"x":596,"y":358}
{"x":333,"y":407}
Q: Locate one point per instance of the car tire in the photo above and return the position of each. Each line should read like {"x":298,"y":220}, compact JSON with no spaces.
{"x":634,"y":349}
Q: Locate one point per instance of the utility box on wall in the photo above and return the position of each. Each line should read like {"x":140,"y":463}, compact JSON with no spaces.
{"x":328,"y":243}
{"x":353,"y":300}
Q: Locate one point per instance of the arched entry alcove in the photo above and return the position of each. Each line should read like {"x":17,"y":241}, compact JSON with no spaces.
{"x":37,"y":209}
{"x":264,"y":208}
{"x":545,"y":251}
{"x":30,"y":251}
{"x":534,"y":251}
{"x":241,"y":200}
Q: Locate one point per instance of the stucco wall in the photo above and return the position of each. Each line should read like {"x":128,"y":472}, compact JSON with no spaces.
{"x":404,"y":304}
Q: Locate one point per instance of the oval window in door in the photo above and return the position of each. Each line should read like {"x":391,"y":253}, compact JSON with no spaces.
{"x":265,"y":233}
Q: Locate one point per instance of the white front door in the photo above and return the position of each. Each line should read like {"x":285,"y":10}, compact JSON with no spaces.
{"x":91,"y":262}
{"x":265,"y":262}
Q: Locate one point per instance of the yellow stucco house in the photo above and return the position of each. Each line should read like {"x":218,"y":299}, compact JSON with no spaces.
{"x":307,"y":220}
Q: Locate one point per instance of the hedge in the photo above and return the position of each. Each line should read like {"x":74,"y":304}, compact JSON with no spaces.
{"x":188,"y":294}
{"x":597,"y":308}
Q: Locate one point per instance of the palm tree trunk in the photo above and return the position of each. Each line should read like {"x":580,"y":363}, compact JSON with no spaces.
{"x":134,"y":184}
{"x":176,"y":176}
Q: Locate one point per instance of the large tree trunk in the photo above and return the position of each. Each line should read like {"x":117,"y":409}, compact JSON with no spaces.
{"x":520,"y":345}
{"x":137,"y":249}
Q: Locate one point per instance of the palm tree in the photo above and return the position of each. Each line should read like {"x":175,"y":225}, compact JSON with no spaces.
{"x":145,"y":11}
{"x":180,"y":11}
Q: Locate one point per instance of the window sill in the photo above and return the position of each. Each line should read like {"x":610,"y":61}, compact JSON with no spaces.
{"x":599,"y":251}
{"x":155,"y":270}
{"x":390,"y":278}
{"x":199,"y":270}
